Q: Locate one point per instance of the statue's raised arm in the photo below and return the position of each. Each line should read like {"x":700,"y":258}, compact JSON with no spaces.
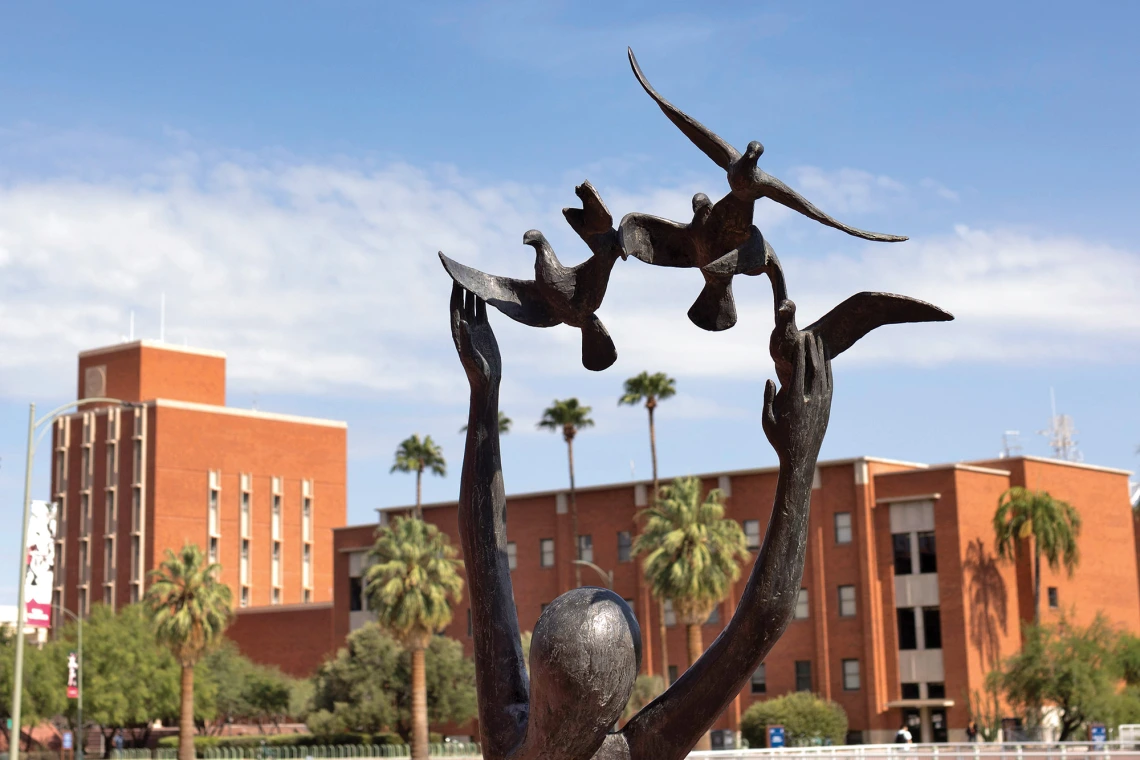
{"x":500,"y":673}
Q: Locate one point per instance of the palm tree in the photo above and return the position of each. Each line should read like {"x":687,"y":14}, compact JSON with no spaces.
{"x":191,"y":608}
{"x":691,"y":552}
{"x":504,"y":425}
{"x":653,"y":388}
{"x":414,"y":575}
{"x":569,"y":416}
{"x":414,"y":455}
{"x":1054,"y":526}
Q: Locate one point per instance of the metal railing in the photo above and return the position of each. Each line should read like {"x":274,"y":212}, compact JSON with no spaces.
{"x":296,"y":752}
{"x":1122,"y":750}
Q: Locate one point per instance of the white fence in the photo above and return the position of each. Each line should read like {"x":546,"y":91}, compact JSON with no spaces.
{"x":1113,"y":750}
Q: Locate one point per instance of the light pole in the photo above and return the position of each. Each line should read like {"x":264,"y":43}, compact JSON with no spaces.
{"x":18,"y":670}
{"x":607,"y":576}
{"x":79,"y":683}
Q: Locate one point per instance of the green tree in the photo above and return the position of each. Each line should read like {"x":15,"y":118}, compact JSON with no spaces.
{"x":807,"y":719}
{"x":645,"y":690}
{"x":504,"y":424}
{"x":1052,"y":525}
{"x":44,"y":671}
{"x":569,"y":416}
{"x":191,"y":608}
{"x":1072,"y":668}
{"x":129,"y":680}
{"x":409,"y":586}
{"x":652,"y":389}
{"x":449,"y":678}
{"x":414,"y":455}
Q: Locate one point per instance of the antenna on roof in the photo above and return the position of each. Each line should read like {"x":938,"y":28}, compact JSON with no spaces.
{"x":1010,"y":444}
{"x":1060,"y":434}
{"x":162,"y":319}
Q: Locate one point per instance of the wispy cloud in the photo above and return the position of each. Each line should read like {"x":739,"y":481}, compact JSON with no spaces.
{"x":322,"y":277}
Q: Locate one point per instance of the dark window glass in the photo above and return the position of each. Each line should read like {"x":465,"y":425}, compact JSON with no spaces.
{"x":936,"y":690}
{"x":903,"y":562}
{"x":932,"y":627}
{"x":760,"y":680}
{"x":910,"y":691}
{"x":625,"y":546}
{"x":355,"y":594}
{"x":927,"y":560}
{"x":672,"y":674}
{"x":854,"y":737}
{"x":908,"y":635}
{"x":1054,"y":603}
{"x":803,"y":675}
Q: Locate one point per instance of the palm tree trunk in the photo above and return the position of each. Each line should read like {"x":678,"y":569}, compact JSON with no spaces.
{"x":653,"y":501}
{"x":1036,"y":583}
{"x":574,"y":513}
{"x":419,"y":493}
{"x":696,"y":648}
{"x":186,"y":715}
{"x":419,"y":707}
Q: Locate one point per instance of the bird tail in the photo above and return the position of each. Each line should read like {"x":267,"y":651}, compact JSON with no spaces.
{"x":715,"y":309}
{"x":598,"y":350}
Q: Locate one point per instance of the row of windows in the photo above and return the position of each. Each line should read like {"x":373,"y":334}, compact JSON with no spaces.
{"x":851,"y":679}
{"x":919,"y":628}
{"x":847,"y":604}
{"x":842,"y":530}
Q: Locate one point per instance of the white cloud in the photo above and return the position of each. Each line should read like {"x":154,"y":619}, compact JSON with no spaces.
{"x":318,"y":277}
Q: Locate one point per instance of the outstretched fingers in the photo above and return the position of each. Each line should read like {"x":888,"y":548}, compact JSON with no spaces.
{"x":480,"y":311}
{"x":456,"y":311}
{"x":769,"y":419}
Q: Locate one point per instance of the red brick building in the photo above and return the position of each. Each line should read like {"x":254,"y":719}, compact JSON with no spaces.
{"x":904,"y":607}
{"x":259,"y":492}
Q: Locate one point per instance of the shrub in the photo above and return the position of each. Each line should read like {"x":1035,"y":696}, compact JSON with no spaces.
{"x":806,"y":718}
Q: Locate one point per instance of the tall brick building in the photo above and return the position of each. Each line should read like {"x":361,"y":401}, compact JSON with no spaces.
{"x":259,"y":492}
{"x":904,"y":606}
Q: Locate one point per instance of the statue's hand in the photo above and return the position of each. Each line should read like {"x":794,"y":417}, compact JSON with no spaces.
{"x":474,"y":339}
{"x":795,"y":418}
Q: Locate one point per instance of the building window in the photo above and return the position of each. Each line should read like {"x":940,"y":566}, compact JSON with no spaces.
{"x":850,"y":675}
{"x":586,"y":548}
{"x":307,"y":518}
{"x":752,"y":533}
{"x":625,"y":546}
{"x":932,"y":628}
{"x":903,"y":562}
{"x":134,"y":593}
{"x":760,"y":680}
{"x":136,"y":508}
{"x":276,"y":516}
{"x":802,"y":609}
{"x":108,"y":595}
{"x":908,"y":632}
{"x":936,"y":691}
{"x":245,"y":596}
{"x":846,"y":601}
{"x":927,"y":560}
{"x":910,"y":691}
{"x":308,"y":596}
{"x":277,"y":596}
{"x":546,"y":552}
{"x":672,"y":674}
{"x":109,"y":559}
{"x":670,"y":615}
{"x":803,"y":675}
{"x":213,"y":549}
{"x":355,"y":594}
{"x":842,"y":527}
{"x":111,"y":520}
{"x":245,"y":519}
{"x":1054,"y":602}
{"x":714,"y":616}
{"x":512,"y":555}
{"x":138,"y":461}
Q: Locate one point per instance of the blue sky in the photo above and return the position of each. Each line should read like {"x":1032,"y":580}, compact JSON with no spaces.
{"x":285,"y":173}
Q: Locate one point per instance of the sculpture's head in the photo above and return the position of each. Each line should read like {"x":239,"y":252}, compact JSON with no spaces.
{"x":584,"y":656}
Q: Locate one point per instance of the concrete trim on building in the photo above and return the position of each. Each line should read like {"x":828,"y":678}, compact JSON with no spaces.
{"x":270,"y":608}
{"x":916,"y":497}
{"x":144,"y":343}
{"x":1082,"y":465}
{"x":954,"y":466}
{"x":191,"y":406}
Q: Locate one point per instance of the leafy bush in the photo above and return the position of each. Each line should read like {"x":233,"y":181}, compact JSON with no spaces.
{"x":806,"y":718}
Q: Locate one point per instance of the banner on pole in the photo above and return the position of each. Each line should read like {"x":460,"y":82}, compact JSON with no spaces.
{"x":41,"y":564}
{"x":72,"y":675}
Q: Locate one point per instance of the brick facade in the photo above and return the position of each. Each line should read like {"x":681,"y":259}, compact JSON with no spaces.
{"x":977,"y":602}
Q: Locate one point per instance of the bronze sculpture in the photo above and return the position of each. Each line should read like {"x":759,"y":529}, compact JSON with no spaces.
{"x":586,"y":647}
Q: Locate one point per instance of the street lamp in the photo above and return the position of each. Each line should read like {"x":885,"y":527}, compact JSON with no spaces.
{"x":607,"y":576}
{"x":18,"y":670}
{"x":79,"y":682}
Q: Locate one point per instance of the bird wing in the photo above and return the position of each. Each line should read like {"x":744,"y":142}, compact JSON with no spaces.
{"x":593,"y":218}
{"x":518,"y":299}
{"x":723,"y":154}
{"x":786,"y":196}
{"x":658,"y":241}
{"x":841,"y":327}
